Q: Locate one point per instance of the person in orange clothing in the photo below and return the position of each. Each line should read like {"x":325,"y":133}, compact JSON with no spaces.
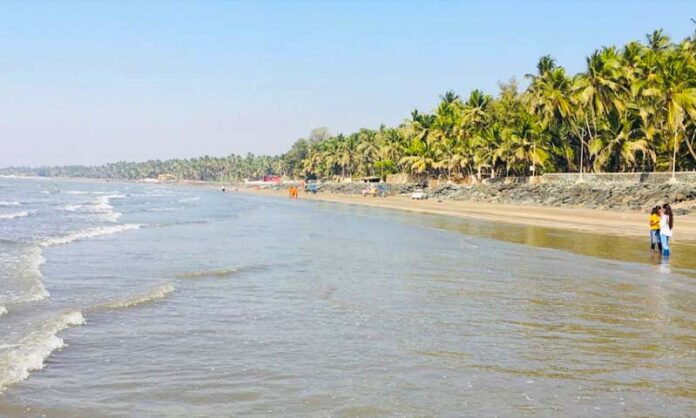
{"x":655,"y":229}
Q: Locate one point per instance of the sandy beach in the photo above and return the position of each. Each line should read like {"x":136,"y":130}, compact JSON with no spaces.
{"x":586,"y":220}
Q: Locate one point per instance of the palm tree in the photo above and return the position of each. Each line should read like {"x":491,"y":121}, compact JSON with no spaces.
{"x":677,"y":81}
{"x":619,"y":149}
{"x":527,"y":143}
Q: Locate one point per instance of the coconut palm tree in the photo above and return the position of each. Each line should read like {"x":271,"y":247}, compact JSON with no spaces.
{"x":677,"y":83}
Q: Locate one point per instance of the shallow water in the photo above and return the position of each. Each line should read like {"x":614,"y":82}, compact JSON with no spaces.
{"x":145,"y":300}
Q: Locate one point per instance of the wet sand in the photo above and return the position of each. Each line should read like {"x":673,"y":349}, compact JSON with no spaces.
{"x":586,"y":220}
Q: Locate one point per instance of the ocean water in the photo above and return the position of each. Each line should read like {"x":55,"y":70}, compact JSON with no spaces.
{"x":120,"y":300}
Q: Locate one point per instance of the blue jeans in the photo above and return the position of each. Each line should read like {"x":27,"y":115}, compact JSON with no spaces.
{"x":664,"y":240}
{"x":655,"y":239}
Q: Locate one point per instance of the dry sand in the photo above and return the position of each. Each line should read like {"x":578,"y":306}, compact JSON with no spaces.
{"x":587,"y":220}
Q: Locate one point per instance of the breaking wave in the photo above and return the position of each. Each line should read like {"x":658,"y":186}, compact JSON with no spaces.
{"x":21,"y":276}
{"x":210,"y":273}
{"x":227,"y":272}
{"x":189,"y":199}
{"x":88,"y":233}
{"x":3,"y":310}
{"x":72,"y":208}
{"x":103,"y":206}
{"x":18,"y":360}
{"x":161,"y":209}
{"x":155,"y":294}
{"x":8,"y":216}
{"x":3,"y":203}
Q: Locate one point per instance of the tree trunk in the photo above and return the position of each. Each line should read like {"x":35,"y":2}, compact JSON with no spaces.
{"x":690,"y":146}
{"x":674,"y":155}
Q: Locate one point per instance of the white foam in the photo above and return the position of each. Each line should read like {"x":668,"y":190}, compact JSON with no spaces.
{"x":3,"y":203}
{"x":162,"y":209}
{"x":72,"y":208}
{"x":38,"y":291}
{"x":102,"y":205}
{"x":155,"y":294}
{"x":3,"y":310}
{"x":18,"y":360}
{"x":76,"y":192}
{"x":8,"y":216}
{"x":88,"y":233}
{"x":29,"y":280}
{"x":189,"y":199}
{"x":112,"y":216}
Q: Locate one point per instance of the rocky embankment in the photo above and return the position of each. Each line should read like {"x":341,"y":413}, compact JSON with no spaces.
{"x":607,"y":196}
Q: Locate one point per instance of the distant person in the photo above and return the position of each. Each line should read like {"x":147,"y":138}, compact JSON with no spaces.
{"x":223,"y":190}
{"x":655,"y":229}
{"x":666,"y":225}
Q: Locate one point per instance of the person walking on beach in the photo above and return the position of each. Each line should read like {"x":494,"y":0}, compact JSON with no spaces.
{"x":666,"y":225}
{"x":655,"y":229}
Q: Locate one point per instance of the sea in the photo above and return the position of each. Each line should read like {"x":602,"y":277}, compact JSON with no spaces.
{"x":151,"y":300}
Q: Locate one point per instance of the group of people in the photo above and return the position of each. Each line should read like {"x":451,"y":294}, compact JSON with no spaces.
{"x":661,"y":225}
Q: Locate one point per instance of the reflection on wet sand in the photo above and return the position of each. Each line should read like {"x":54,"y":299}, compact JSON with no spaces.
{"x":604,"y":246}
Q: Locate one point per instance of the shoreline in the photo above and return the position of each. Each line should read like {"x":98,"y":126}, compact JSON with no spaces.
{"x":626,"y":224}
{"x":595,"y":221}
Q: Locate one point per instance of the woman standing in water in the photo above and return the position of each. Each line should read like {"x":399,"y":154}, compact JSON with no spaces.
{"x":655,"y":229}
{"x":666,"y":225}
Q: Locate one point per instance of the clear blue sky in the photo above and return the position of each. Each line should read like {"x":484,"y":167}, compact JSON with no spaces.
{"x":95,"y":81}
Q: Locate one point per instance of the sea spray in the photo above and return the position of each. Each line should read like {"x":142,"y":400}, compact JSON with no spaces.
{"x":18,"y":360}
{"x":88,"y":233}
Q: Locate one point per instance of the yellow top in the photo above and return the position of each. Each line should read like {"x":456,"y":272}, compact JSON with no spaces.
{"x":654,"y":221}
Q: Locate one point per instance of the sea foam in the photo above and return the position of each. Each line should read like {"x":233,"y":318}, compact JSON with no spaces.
{"x":26,"y":270}
{"x":3,"y":310}
{"x":35,"y":260}
{"x":102,"y":205}
{"x":3,"y":203}
{"x":8,"y":216}
{"x":72,"y":208}
{"x":88,"y":233}
{"x":18,"y":360}
{"x":161,"y":209}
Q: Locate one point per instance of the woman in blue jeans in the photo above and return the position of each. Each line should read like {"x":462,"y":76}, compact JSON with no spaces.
{"x":666,"y":225}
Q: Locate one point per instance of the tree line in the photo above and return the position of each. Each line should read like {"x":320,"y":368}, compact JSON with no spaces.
{"x":633,"y":108}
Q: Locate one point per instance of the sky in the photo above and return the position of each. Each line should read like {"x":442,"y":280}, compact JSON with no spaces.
{"x":89,"y":82}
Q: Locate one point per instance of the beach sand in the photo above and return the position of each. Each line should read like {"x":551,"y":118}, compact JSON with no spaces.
{"x":586,"y":220}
